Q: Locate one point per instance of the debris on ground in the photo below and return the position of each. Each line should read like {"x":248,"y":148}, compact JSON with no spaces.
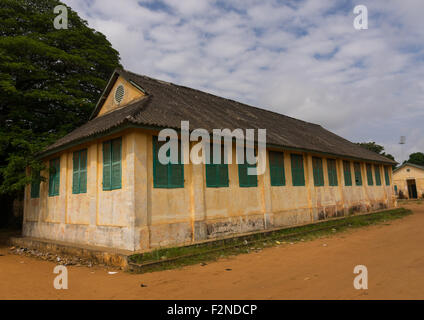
{"x":49,"y":256}
{"x":112,"y":272}
{"x":143,"y":285}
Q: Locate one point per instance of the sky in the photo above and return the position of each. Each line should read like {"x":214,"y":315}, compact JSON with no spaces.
{"x":301,"y":58}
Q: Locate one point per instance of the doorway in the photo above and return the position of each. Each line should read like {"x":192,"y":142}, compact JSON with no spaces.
{"x":412,"y":189}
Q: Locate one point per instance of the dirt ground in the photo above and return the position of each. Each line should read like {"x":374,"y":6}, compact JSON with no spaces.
{"x":319,"y":269}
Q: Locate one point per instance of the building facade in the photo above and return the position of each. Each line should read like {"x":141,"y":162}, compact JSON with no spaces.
{"x":104,"y":185}
{"x":408,"y":181}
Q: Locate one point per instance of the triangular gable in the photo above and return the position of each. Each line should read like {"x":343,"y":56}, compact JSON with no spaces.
{"x":118,"y":93}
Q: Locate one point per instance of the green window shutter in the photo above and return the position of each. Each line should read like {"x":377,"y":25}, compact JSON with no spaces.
{"x":223,"y":175}
{"x":276,"y":168}
{"x":217,"y":174}
{"x":75,"y":172}
{"x":246,"y":180}
{"x":79,"y":172}
{"x":211,"y":175}
{"x":377,"y":175}
{"x":54,"y":177}
{"x":176,"y":175}
{"x":298,"y":174}
{"x":347,"y":173}
{"x":332,"y":172}
{"x":107,"y":165}
{"x":386,"y":175}
{"x":83,"y":172}
{"x":318,"y":171}
{"x":369,"y":175}
{"x":160,"y":171}
{"x":358,"y":175}
{"x":242,"y":171}
{"x":116,"y":179}
{"x":57,"y":178}
{"x":35,"y":187}
{"x":169,"y":175}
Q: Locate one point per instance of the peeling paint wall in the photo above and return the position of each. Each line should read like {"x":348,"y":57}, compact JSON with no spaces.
{"x":140,"y":217}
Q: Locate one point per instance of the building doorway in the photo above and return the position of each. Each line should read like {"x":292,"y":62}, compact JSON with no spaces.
{"x":412,"y":189}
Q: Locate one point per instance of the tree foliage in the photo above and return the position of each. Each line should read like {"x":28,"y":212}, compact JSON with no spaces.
{"x":50,"y":81}
{"x":416,"y":158}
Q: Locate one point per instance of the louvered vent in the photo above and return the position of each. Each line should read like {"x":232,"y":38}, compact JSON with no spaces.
{"x":119,"y":93}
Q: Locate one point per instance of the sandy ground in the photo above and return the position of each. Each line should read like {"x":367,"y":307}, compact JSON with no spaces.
{"x":319,"y":269}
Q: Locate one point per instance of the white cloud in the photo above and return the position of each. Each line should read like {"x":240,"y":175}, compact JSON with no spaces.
{"x":302,"y":58}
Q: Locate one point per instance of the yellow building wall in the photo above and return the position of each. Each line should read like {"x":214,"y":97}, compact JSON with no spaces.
{"x":131,"y":94}
{"x":401,"y":176}
{"x":140,"y":217}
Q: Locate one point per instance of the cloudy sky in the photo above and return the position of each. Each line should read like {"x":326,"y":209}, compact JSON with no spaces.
{"x":302,"y":58}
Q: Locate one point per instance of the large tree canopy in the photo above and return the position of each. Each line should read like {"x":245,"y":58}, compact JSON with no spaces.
{"x":49,"y":81}
{"x":416,"y":158}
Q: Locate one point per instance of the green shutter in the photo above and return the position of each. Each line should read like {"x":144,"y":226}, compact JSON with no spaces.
{"x":107,"y":165}
{"x":242,"y":171}
{"x":176,"y":175}
{"x":386,"y":175}
{"x":35,"y":187}
{"x":332,"y":172}
{"x":318,"y":171}
{"x":217,"y":174}
{"x":79,"y":175}
{"x":54,"y":177}
{"x":116,"y":164}
{"x":298,"y":174}
{"x":83,"y":172}
{"x":377,"y":175}
{"x":276,"y":168}
{"x":75,"y":172}
{"x":57,"y":178}
{"x":358,"y":174}
{"x":347,"y":173}
{"x":211,"y":175}
{"x":168,"y":175}
{"x":246,"y":180}
{"x":160,"y":171}
{"x":223,"y":175}
{"x":369,"y":175}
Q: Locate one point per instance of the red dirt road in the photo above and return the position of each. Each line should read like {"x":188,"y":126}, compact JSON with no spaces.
{"x":319,"y":269}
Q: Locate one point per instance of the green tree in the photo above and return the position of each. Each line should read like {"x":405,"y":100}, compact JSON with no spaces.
{"x":50,"y":81}
{"x":416,"y":158}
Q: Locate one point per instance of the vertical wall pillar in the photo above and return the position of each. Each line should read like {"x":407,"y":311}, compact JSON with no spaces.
{"x":142,"y":184}
{"x":264,"y":182}
{"x":340,"y":175}
{"x":309,"y":183}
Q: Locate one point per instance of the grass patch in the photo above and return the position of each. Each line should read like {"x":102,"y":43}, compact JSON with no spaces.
{"x":168,"y":258}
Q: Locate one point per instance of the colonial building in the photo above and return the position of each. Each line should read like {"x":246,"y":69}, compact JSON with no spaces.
{"x":408,"y":181}
{"x":105,"y":186}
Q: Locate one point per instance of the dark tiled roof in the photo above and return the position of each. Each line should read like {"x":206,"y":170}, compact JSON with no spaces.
{"x":167,"y":104}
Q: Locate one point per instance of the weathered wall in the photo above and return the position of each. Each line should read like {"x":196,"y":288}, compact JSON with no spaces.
{"x":140,"y":217}
{"x":102,"y":218}
{"x":175,"y":216}
{"x":405,"y":173}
